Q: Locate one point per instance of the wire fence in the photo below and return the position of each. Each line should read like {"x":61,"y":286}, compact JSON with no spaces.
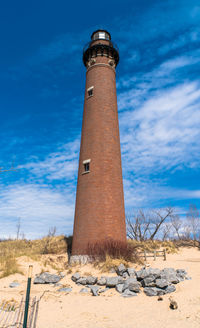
{"x":12,"y":316}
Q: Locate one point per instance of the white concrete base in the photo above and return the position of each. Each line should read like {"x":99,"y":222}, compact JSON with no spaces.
{"x":80,"y":259}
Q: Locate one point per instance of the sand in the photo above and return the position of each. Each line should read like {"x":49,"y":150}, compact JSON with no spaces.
{"x":110,"y":310}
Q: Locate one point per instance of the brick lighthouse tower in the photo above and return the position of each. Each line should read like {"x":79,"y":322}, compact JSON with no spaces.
{"x":99,"y":212}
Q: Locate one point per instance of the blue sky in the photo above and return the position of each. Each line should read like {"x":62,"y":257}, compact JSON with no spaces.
{"x":42,"y":80}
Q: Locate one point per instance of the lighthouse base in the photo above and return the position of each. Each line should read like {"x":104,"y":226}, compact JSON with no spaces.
{"x":80,"y":259}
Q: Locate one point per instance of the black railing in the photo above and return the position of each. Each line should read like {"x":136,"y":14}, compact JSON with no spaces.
{"x":109,"y":43}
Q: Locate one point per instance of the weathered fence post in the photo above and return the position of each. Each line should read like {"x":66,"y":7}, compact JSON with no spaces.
{"x":145,"y":256}
{"x":27,"y":296}
{"x":154,"y":255}
{"x":164,"y":254}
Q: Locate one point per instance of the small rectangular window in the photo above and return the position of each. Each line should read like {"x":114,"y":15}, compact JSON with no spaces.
{"x":86,"y":166}
{"x":90,"y":91}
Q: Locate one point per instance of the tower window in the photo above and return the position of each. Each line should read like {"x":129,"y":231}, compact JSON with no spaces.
{"x":90,"y":91}
{"x":86,"y":165}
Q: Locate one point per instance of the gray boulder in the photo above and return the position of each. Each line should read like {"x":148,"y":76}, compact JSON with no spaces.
{"x":128,"y":293}
{"x":94,"y":290}
{"x":148,"y":281}
{"x":82,"y":281}
{"x":125,"y":275}
{"x":169,"y":289}
{"x":132,"y":284}
{"x":101,"y":281}
{"x":144,"y":273}
{"x":131,"y":272}
{"x":161,"y":283}
{"x":84,"y":291}
{"x":181,"y":271}
{"x":151,"y":291}
{"x":76,"y":276}
{"x":188,"y":278}
{"x":119,"y":288}
{"x":113,"y":281}
{"x":121,"y":269}
{"x":91,"y":280}
{"x":66,"y":290}
{"x":14,"y":284}
{"x":47,"y":278}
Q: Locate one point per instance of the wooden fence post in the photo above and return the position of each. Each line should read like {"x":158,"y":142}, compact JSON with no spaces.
{"x":154,"y":255}
{"x":164,"y":254}
{"x":145,"y":256}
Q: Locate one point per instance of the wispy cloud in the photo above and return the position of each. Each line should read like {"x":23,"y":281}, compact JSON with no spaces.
{"x":59,"y":165}
{"x":38,"y":206}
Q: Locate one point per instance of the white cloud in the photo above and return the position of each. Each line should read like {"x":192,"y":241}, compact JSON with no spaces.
{"x":60,"y":165}
{"x":164,"y":131}
{"x":38,"y":206}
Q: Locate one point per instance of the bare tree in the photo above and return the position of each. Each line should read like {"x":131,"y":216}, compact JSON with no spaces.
{"x":166,"y":230}
{"x":146,"y":225}
{"x":158,"y":218}
{"x":138,"y":226}
{"x":177,"y":225}
{"x":193,"y":221}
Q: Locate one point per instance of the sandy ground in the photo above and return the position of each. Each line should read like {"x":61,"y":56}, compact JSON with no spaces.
{"x":110,"y":310}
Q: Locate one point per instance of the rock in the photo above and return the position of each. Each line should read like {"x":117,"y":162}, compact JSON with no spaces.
{"x":134,"y":287}
{"x":125,"y":275}
{"x":169,"y":271}
{"x":90,"y":280}
{"x":173,"y":304}
{"x":62,"y":274}
{"x":113,"y":281}
{"x":132,"y":284}
{"x":47,"y":278}
{"x":57,"y":284}
{"x":101,"y":281}
{"x":121,"y":269}
{"x":153,"y":291}
{"x":94,"y":290}
{"x":144,"y":273}
{"x":161,"y":283}
{"x":14,"y":284}
{"x":188,"y":278}
{"x":169,"y":289}
{"x":82,"y":281}
{"x":66,"y":290}
{"x":84,"y":291}
{"x":170,"y":275}
{"x":131,"y":272}
{"x":148,"y":281}
{"x":181,"y":271}
{"x":76,"y":276}
{"x":160,"y":298}
{"x":112,"y":270}
{"x":119,"y":288}
{"x":128,"y":293}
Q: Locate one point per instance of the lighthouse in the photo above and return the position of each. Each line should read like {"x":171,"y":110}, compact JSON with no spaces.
{"x":99,"y":209}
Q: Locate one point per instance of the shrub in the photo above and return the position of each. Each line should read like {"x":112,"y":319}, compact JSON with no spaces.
{"x":115,"y":249}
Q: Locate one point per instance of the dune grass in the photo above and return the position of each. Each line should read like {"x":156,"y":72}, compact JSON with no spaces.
{"x":10,"y":250}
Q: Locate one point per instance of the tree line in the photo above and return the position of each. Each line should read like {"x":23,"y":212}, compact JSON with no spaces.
{"x":163,"y":224}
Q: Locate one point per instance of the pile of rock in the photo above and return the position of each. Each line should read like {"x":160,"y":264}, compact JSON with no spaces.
{"x":47,"y":278}
{"x":129,"y":282}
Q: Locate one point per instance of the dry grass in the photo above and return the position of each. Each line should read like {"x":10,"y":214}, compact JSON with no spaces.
{"x":110,"y":263}
{"x":10,"y":250}
{"x":152,"y":245}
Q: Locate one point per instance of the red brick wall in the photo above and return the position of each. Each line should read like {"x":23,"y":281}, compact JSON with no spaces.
{"x":99,"y":212}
